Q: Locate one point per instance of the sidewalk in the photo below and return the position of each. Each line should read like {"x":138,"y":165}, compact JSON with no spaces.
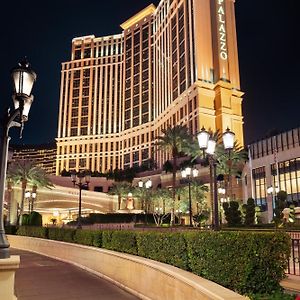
{"x":291,"y":284}
{"x":43,"y":278}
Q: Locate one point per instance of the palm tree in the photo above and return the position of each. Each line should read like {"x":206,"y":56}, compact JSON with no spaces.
{"x":121,"y":189}
{"x":230,"y":163}
{"x":174,"y":141}
{"x":24,"y":172}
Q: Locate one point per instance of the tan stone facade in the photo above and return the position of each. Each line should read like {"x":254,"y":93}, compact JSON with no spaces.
{"x":174,"y":64}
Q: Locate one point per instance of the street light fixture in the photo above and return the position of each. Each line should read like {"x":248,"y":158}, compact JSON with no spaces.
{"x":147,"y":185}
{"x":23,"y":79}
{"x":30,"y":196}
{"x":273,"y":192}
{"x":187,"y":174}
{"x":208,"y":145}
{"x":81,"y":180}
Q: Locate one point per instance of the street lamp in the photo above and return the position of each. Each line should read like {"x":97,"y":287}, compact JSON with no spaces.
{"x":208,"y":145}
{"x":81,"y":180}
{"x":272,"y":191}
{"x":23,"y":79}
{"x":147,"y":185}
{"x":30,"y":196}
{"x":188,"y":173}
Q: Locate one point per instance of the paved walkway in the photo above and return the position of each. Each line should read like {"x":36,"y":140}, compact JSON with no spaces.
{"x":43,"y":278}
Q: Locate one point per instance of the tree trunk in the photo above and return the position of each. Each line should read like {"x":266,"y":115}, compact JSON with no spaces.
{"x":173,"y":190}
{"x":24,"y":184}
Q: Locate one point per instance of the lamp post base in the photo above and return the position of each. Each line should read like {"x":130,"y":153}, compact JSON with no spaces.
{"x":4,"y":245}
{"x":8,"y":268}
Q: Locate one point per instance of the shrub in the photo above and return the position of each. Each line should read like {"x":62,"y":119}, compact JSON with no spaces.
{"x":242,"y":261}
{"x":232,"y":213}
{"x":124,"y":241}
{"x":168,"y":248}
{"x":35,"y":219}
{"x":62,"y":234}
{"x":88,"y":237}
{"x":11,"y":229}
{"x":33,"y":231}
{"x":106,"y":239}
{"x":250,"y":212}
{"x":25,"y":220}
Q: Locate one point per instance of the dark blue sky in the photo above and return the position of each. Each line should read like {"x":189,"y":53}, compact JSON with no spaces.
{"x":268,"y":43}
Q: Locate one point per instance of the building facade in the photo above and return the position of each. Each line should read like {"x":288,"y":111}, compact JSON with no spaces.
{"x":274,"y":164}
{"x":43,"y":155}
{"x":172,"y":64}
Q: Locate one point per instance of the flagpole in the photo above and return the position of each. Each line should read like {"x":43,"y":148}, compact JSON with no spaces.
{"x":250,"y":167}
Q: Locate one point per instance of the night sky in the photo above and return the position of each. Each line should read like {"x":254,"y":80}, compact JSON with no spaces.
{"x":268,"y":43}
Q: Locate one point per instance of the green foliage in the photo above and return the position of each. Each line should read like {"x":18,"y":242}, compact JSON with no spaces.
{"x":242,"y":261}
{"x":250,"y":212}
{"x":11,"y":229}
{"x":62,"y":234}
{"x":124,"y":241}
{"x":232,"y":213}
{"x":279,"y":207}
{"x":106,"y":239}
{"x":119,"y":218}
{"x":33,"y":231}
{"x":168,"y":248}
{"x":88,"y":237}
{"x":276,"y":295}
{"x":35,"y":219}
{"x":25,"y":220}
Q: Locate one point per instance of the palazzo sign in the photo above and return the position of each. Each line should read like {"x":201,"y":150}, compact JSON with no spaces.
{"x":222,"y":29}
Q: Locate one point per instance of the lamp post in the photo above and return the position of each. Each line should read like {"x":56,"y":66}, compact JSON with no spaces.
{"x":208,"y":145}
{"x":81,"y":180}
{"x":23,"y":79}
{"x":147,"y":185}
{"x":188,"y":173}
{"x":30,"y":196}
{"x":272,"y":191}
{"x":228,"y":138}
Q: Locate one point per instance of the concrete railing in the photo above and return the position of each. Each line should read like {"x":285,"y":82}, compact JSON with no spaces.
{"x":142,"y":277}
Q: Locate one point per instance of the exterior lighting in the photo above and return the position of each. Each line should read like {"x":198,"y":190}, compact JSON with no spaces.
{"x":203,"y":137}
{"x":23,"y":80}
{"x":187,"y":174}
{"x":81,"y":180}
{"x":228,"y":139}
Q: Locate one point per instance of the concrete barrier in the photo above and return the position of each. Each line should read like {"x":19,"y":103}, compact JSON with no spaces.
{"x":142,"y":277}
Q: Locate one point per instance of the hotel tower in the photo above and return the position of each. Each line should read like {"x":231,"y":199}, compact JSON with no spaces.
{"x":172,"y":64}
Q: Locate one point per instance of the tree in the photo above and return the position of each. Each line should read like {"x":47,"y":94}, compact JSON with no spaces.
{"x":121,"y":189}
{"x":232,"y":213}
{"x":24,"y":172}
{"x":280,"y":204}
{"x":174,"y":140}
{"x":162,"y":202}
{"x":249,"y":210}
{"x":230,"y":163}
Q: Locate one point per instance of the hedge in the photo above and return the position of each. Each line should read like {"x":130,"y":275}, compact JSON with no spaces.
{"x":33,"y":231}
{"x":246,"y":262}
{"x":167,"y":248}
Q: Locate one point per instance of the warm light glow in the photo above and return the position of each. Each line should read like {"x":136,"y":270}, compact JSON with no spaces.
{"x":27,"y":194}
{"x":140,"y":183}
{"x":211,"y":147}
{"x":148,"y":184}
{"x":129,"y":195}
{"x":203,"y":137}
{"x":195,"y":172}
{"x":228,"y":139}
{"x":188,"y":171}
{"x":183,"y":174}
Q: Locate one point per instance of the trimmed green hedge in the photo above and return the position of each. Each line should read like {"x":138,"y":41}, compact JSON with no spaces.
{"x":246,"y":262}
{"x":168,"y":248}
{"x":33,"y":231}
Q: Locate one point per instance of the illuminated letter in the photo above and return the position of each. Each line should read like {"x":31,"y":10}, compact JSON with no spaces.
{"x":222,"y":37}
{"x":223,"y":55}
{"x":221,"y":19}
{"x":220,"y":2}
{"x":221,"y":11}
{"x":222,"y":28}
{"x":223,"y":46}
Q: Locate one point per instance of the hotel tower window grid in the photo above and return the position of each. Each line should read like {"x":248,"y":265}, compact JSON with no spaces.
{"x":118,"y":92}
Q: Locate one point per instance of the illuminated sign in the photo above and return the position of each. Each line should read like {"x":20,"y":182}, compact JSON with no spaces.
{"x":222,"y":29}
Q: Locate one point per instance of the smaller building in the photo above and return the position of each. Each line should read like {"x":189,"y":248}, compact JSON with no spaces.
{"x":274,"y":164}
{"x":44,"y":155}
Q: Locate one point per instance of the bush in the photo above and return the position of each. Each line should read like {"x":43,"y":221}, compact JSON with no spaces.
{"x":124,"y":241}
{"x":168,"y":248}
{"x":106,"y":239}
{"x":10,"y":229}
{"x":33,"y":231}
{"x":119,"y":218}
{"x":242,"y":261}
{"x":88,"y":237}
{"x":62,"y":234}
{"x":25,"y":220}
{"x":35,"y":219}
{"x":250,"y":212}
{"x":232,"y":213}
